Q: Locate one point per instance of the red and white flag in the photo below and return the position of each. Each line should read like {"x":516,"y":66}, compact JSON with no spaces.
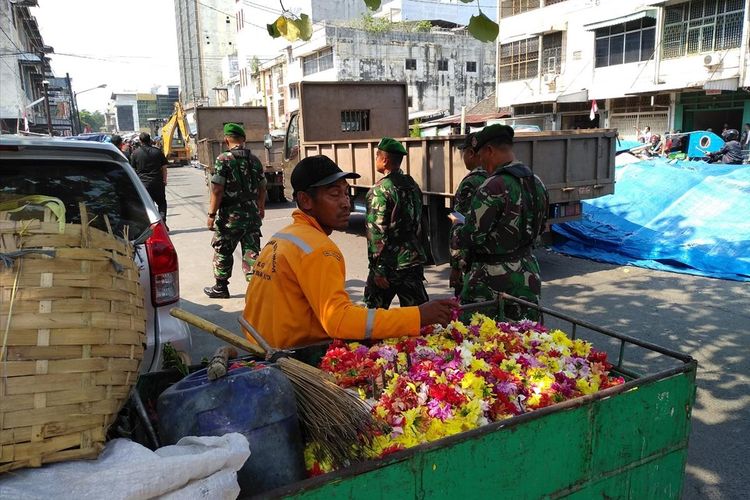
{"x":594,"y":111}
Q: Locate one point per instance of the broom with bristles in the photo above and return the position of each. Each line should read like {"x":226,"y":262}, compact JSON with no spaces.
{"x":336,"y":420}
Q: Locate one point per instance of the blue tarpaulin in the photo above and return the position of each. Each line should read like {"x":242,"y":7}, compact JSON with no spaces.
{"x":687,"y":217}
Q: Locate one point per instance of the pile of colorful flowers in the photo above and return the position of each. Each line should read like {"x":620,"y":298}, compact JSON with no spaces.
{"x":457,"y":378}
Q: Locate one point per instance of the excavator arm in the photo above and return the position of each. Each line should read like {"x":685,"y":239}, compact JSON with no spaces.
{"x":176,"y":122}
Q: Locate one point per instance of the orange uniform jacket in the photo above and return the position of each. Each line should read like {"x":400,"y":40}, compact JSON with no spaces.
{"x":296,"y":296}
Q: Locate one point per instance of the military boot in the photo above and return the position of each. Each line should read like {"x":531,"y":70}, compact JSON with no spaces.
{"x":219,"y":291}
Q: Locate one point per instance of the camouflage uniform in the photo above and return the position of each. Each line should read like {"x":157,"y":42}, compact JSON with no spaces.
{"x":238,"y":219}
{"x":394,"y":211}
{"x":507,"y":214}
{"x":462,"y":204}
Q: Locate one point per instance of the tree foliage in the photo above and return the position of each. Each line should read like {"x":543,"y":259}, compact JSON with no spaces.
{"x":95,"y":120}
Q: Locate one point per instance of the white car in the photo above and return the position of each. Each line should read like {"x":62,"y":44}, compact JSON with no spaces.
{"x":98,"y":175}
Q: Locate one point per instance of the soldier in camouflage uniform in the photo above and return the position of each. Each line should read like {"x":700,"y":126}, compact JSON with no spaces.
{"x":236,"y":209}
{"x":507,"y":214}
{"x":396,"y":255}
{"x":462,"y":204}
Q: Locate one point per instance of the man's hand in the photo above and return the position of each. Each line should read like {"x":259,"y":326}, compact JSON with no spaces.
{"x":210,"y":222}
{"x":381,"y":282}
{"x":437,"y":311}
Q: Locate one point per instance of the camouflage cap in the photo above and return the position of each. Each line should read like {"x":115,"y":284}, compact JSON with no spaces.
{"x":234,"y":129}
{"x":391,"y":146}
{"x":503,"y":133}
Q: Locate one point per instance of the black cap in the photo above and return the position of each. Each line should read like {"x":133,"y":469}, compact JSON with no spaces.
{"x":502,"y":133}
{"x":467,"y":142}
{"x":316,"y":171}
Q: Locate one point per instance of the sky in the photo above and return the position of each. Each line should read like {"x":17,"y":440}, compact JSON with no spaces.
{"x":129,"y":45}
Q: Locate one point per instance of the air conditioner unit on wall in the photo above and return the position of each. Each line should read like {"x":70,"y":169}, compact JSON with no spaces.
{"x":549,"y":78}
{"x":712,"y":60}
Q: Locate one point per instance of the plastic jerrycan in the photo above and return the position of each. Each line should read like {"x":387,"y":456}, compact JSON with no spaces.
{"x":257,"y":402}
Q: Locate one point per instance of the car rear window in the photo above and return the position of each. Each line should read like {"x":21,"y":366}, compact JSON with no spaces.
{"x":104,"y":187}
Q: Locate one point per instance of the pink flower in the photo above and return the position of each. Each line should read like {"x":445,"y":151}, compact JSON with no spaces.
{"x":439,"y":409}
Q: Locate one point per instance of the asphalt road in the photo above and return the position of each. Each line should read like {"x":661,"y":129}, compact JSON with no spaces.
{"x":706,"y":318}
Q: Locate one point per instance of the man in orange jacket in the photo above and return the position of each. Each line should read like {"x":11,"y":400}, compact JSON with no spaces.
{"x":297,"y":295}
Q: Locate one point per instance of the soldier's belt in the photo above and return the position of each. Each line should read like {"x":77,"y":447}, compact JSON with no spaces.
{"x":500,"y":258}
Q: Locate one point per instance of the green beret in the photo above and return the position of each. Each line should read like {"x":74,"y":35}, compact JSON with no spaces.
{"x":234,"y":129}
{"x":391,"y":146}
{"x":504,"y":133}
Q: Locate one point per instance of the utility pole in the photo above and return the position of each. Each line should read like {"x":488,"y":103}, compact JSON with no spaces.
{"x":75,"y":122}
{"x":45,"y":86}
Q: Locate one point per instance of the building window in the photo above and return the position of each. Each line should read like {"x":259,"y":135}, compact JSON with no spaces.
{"x":355,"y":120}
{"x":294,"y":91}
{"x":320,"y":61}
{"x":702,"y":26}
{"x":410,"y":64}
{"x":280,"y":105}
{"x":519,"y":60}
{"x":552,"y":53}
{"x":513,"y":7}
{"x":409,"y":101}
{"x":442,"y":64}
{"x":471,"y":66}
{"x":625,"y":43}
{"x":552,"y":2}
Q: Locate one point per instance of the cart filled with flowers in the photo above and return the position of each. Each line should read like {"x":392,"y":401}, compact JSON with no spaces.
{"x":512,"y":410}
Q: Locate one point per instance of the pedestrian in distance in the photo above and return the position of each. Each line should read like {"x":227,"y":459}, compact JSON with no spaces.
{"x":395,"y":252}
{"x":117,"y":142}
{"x":151,"y":166}
{"x":507,"y":214}
{"x":301,"y":273}
{"x":467,"y":188}
{"x":745,"y":140}
{"x":236,"y":209}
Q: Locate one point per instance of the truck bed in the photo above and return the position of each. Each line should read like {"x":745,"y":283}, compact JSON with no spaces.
{"x":573,"y":164}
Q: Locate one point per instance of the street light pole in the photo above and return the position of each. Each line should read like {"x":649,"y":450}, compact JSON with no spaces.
{"x":75,"y":99}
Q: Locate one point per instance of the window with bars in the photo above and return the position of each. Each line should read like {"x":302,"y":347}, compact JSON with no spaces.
{"x":519,"y":60}
{"x":513,"y":7}
{"x":625,"y":43}
{"x":533,"y":109}
{"x":639,"y":104}
{"x":702,"y":26}
{"x":320,"y":61}
{"x":442,"y":64}
{"x":293,"y":90}
{"x":471,"y":66}
{"x":552,"y":53}
{"x":410,"y":64}
{"x":355,"y":120}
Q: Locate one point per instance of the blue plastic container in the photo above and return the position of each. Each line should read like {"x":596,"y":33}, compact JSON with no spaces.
{"x":258,"y":403}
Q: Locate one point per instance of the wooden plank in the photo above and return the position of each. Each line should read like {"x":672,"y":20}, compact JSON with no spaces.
{"x":34,"y":352}
{"x":117,"y":351}
{"x":82,"y":423}
{"x":17,"y":369}
{"x":77,"y":365}
{"x":13,"y":436}
{"x":80,"y":395}
{"x":13,"y":403}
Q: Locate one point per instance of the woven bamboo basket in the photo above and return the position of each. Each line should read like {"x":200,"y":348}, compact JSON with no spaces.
{"x":72,"y":332}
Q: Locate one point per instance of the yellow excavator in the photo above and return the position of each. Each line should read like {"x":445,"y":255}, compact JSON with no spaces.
{"x":176,"y":147}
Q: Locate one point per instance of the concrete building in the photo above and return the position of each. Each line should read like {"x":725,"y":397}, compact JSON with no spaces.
{"x":667,"y":65}
{"x":444,"y":69}
{"x":23,"y":68}
{"x":206,"y":33}
{"x":143,"y":112}
{"x":454,"y":11}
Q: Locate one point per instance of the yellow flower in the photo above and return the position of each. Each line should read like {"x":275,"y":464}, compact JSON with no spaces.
{"x":459,"y":327}
{"x":479,"y":365}
{"x":473,"y":382}
{"x":587,"y":387}
{"x":534,"y":399}
{"x":511,"y":366}
{"x":581,"y":348}
{"x":562,"y":340}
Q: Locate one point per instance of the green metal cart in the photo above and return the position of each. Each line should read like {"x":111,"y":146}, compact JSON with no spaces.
{"x":628,"y":441}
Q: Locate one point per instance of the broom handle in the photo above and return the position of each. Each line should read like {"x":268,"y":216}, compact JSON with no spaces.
{"x":217,"y":331}
{"x":257,"y":336}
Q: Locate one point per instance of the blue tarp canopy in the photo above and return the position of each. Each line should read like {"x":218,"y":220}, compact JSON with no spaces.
{"x":687,"y":217}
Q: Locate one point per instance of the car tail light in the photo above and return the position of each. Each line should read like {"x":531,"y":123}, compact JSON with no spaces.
{"x":162,"y":261}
